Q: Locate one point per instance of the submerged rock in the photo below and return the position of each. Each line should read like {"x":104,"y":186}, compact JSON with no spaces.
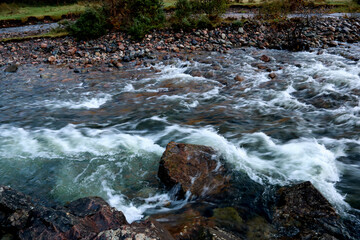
{"x":85,"y":218}
{"x":12,"y":68}
{"x":193,"y":168}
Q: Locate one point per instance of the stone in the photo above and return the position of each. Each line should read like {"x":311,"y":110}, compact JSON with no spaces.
{"x":12,"y":68}
{"x":85,"y":218}
{"x":303,"y":212}
{"x":51,"y":59}
{"x":144,"y":230}
{"x":193,"y":168}
{"x":265,"y":58}
{"x":239,"y":78}
{"x":43,"y":45}
{"x":72,"y":51}
{"x":272,"y":75}
{"x":183,"y":224}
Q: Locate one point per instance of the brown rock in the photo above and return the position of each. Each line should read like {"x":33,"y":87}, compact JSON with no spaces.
{"x":72,"y":51}
{"x":43,"y":45}
{"x":272,"y":75}
{"x":302,"y":211}
{"x":193,"y":168}
{"x":239,"y":78}
{"x":51,"y":59}
{"x":185,"y":224}
{"x":121,"y":47}
{"x":265,"y":58}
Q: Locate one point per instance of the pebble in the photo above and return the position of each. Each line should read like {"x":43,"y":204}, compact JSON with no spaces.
{"x":321,"y":34}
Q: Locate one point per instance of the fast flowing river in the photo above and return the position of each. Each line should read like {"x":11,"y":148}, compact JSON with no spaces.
{"x":65,"y":135}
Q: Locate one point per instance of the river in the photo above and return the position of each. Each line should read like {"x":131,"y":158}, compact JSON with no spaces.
{"x":65,"y":135}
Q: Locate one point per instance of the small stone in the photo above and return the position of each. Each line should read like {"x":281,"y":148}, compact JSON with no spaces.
{"x":272,"y":75}
{"x":241,"y":30}
{"x":118,"y":65}
{"x":12,"y":68}
{"x":43,"y":45}
{"x":121,"y":47}
{"x":97,"y":54}
{"x":265,"y":58}
{"x":239,"y":78}
{"x":72,"y":51}
{"x":51,"y":59}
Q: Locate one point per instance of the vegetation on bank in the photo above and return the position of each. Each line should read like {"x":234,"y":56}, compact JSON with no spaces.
{"x":139,"y":17}
{"x":18,"y":11}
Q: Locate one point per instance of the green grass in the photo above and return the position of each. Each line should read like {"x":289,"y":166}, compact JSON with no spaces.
{"x":169,"y":3}
{"x":18,"y":12}
{"x":45,"y":35}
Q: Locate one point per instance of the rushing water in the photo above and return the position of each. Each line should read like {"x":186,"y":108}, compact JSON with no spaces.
{"x":65,"y":135}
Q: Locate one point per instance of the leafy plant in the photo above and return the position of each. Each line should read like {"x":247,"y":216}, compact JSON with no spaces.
{"x":137,"y":17}
{"x":91,"y":24}
{"x":213,"y":8}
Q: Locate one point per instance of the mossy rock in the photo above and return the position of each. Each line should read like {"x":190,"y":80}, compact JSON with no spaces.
{"x":228,"y":218}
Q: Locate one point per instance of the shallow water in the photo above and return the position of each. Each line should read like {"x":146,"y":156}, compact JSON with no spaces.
{"x":65,"y":135}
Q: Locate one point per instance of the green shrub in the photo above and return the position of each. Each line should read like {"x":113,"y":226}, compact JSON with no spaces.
{"x":139,"y":28}
{"x":237,"y":23}
{"x":279,"y":9}
{"x":183,"y":9}
{"x":137,"y":17}
{"x":204,"y":22}
{"x":91,"y":24}
{"x":213,"y":8}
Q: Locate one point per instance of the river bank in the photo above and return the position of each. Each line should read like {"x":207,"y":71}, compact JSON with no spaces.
{"x":116,"y":47}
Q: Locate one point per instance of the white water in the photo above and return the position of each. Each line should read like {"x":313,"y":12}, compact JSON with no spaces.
{"x":270,"y":129}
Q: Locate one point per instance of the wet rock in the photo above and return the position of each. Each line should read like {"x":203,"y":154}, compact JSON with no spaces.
{"x":193,"y":168}
{"x":239,"y":78}
{"x":265,"y":58}
{"x":145,"y":230}
{"x":259,"y":228}
{"x":229,"y":218}
{"x":272,"y":75}
{"x":195,"y":73}
{"x":85,"y":218}
{"x":187,"y":223}
{"x":12,"y":68}
{"x":303,"y":213}
{"x":15,"y":209}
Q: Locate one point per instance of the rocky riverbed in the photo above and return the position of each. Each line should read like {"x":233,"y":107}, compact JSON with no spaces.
{"x":115,"y":48}
{"x":296,"y":212}
{"x":272,"y":120}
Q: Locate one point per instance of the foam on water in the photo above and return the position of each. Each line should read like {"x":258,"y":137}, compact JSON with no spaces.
{"x":83,"y":103}
{"x":267,"y":161}
{"x":70,"y":141}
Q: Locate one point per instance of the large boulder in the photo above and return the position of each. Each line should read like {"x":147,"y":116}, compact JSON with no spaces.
{"x":85,"y":218}
{"x":192,"y":168}
{"x":302,"y":212}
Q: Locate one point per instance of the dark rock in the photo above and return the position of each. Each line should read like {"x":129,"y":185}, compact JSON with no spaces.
{"x":265,"y":58}
{"x":148,"y":229}
{"x":12,"y":68}
{"x":86,"y":218}
{"x":193,"y":168}
{"x":239,"y":78}
{"x":303,"y":213}
{"x":14,"y":209}
{"x":272,"y":75}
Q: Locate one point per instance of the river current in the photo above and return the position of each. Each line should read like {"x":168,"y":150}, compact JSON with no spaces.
{"x":65,"y":135}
